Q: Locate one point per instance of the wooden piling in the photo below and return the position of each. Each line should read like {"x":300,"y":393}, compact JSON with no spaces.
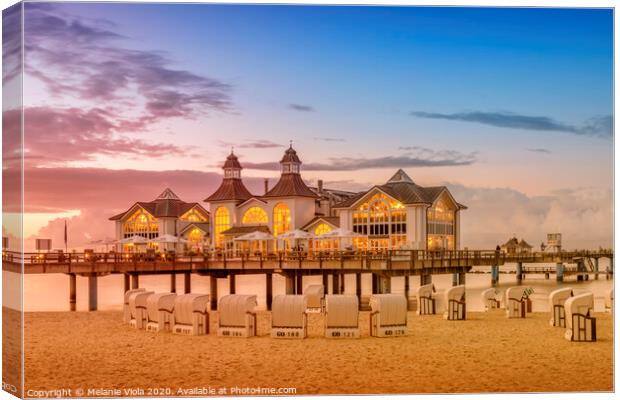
{"x":462,"y":277}
{"x":519,"y":271}
{"x":455,"y":279}
{"x":559,"y":272}
{"x":72,"y":292}
{"x":407,"y":290}
{"x":232,"y":284}
{"x":426,"y":279}
{"x":135,"y":281}
{"x":173,"y":283}
{"x":596,"y":268}
{"x":342,"y":278}
{"x":375,"y":284}
{"x":213,"y":292}
{"x":269,"y":290}
{"x":325,"y":282}
{"x":290,"y":283}
{"x":126,"y":282}
{"x":299,"y":286}
{"x":187,"y":282}
{"x":335,"y":283}
{"x":92,"y":293}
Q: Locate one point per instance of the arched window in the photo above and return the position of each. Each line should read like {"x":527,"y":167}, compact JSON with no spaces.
{"x":255,"y":216}
{"x":383,"y":219}
{"x":195,"y":238}
{"x":281,"y":219}
{"x":193,"y":216}
{"x":222,"y":223}
{"x":142,"y":224}
{"x":440,"y":222}
{"x":321,"y":229}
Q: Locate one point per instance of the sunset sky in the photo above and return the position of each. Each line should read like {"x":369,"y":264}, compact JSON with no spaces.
{"x":510,"y":108}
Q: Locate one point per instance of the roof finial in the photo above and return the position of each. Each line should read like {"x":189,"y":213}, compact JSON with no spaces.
{"x":232,"y":150}
{"x":290,"y":144}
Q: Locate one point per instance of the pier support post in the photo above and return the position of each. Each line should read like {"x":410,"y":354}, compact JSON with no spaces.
{"x":358,"y":289}
{"x":213,"y":292}
{"x":546,"y":275}
{"x":407,"y":290}
{"x":375,"y":284}
{"x":610,"y":269}
{"x":187,"y":284}
{"x":289,"y":283}
{"x":559,"y":272}
{"x":462,"y":278}
{"x":72,"y":292}
{"x":92,"y":293}
{"x":268,"y":290}
{"x":232,"y":284}
{"x":455,"y":279}
{"x":335,"y":283}
{"x":325,"y":282}
{"x":494,"y":275}
{"x":426,"y":279}
{"x":519,"y":272}
{"x":135,"y":281}
{"x":596,"y":268}
{"x":341,"y":289}
{"x":173,"y":283}
{"x":299,"y":287}
{"x":126,"y":282}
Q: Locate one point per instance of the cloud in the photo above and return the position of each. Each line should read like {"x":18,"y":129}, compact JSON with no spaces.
{"x":601,"y":126}
{"x":82,"y":59}
{"x":445,"y":159}
{"x":59,"y":135}
{"x":11,"y":42}
{"x":301,"y":107}
{"x":329,"y":139}
{"x":584,"y":216}
{"x":252,"y":144}
{"x":542,"y":151}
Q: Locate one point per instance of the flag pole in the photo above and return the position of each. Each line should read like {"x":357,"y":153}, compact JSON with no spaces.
{"x":66,"y":236}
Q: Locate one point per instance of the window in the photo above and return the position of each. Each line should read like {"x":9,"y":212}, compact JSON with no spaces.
{"x":321,"y":229}
{"x":195,"y":238}
{"x":193,"y":216}
{"x":281,"y":219}
{"x":440,"y":219}
{"x":222,"y":223}
{"x":142,"y":224}
{"x":255,"y":216}
{"x":381,"y":217}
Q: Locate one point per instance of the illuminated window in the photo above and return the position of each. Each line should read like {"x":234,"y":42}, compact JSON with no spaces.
{"x":193,"y":216}
{"x":142,"y":224}
{"x":281,"y":219}
{"x":195,"y":238}
{"x":322,"y":228}
{"x":255,"y":216}
{"x":440,"y":222}
{"x":381,"y":217}
{"x":222,"y":223}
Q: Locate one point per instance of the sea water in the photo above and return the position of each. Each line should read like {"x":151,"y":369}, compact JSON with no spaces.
{"x":50,"y":292}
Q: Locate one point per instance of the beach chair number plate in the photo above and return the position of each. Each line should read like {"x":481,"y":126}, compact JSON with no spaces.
{"x":288,"y":333}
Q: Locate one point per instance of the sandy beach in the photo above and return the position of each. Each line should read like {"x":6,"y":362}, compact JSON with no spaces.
{"x":486,"y":353}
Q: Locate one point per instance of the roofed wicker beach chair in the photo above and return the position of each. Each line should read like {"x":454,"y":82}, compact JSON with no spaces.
{"x":237,"y":316}
{"x":288,"y":316}
{"x":580,"y":325}
{"x":516,"y":302}
{"x":191,"y":314}
{"x":159,"y":308}
{"x":490,"y":298}
{"x":557,"y":298}
{"x":389,"y":315}
{"x":455,"y":301}
{"x":137,"y":309}
{"x":426,"y":302}
{"x":315,"y":296}
{"x":609,"y":301}
{"x":126,"y":312}
{"x":342,"y":316}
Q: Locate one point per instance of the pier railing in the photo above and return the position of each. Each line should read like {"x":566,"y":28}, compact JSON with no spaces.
{"x":385,"y":259}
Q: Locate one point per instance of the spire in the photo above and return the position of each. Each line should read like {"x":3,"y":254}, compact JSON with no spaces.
{"x":167,"y":195}
{"x":400,"y":176}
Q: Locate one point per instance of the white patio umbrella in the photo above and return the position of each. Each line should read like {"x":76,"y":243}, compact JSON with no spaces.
{"x":135,"y":239}
{"x":296,"y":235}
{"x":106,"y":242}
{"x":339,"y":233}
{"x":167,"y":238}
{"x":256,"y":235}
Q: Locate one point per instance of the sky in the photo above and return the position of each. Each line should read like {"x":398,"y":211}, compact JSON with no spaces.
{"x":510,"y":108}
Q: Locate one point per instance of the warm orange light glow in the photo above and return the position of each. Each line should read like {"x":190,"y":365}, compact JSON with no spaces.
{"x":281,"y":219}
{"x":222,"y":223}
{"x":255,"y":216}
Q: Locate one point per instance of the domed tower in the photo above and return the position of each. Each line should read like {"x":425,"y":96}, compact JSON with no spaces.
{"x":290,"y":162}
{"x":290,"y":183}
{"x":232,"y":188}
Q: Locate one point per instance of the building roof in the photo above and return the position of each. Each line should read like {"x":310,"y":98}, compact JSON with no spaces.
{"x":290,"y":155}
{"x":242,"y":230}
{"x":290,"y":185}
{"x":523,"y":243}
{"x":231,"y":189}
{"x":402,"y":188}
{"x":166,"y":204}
{"x":334,"y":221}
{"x":513,"y":242}
{"x":232,"y":162}
{"x":204,"y":226}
